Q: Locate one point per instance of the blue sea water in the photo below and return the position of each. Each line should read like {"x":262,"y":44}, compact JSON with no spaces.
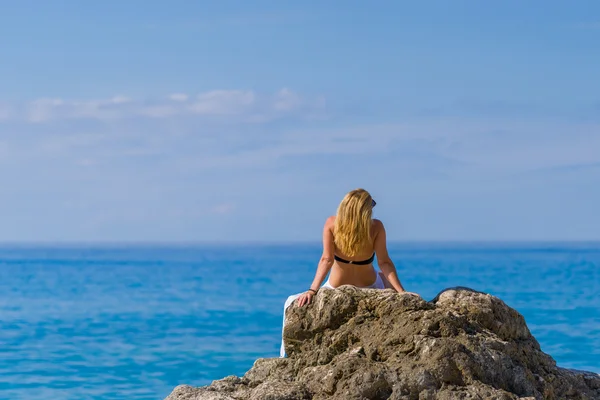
{"x":133,"y":322}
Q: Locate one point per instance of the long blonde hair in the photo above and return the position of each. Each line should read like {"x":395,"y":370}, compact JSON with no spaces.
{"x":352,"y":228}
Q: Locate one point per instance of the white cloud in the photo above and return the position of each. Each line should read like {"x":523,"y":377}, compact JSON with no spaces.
{"x":465,"y":147}
{"x":286,"y":100}
{"x":47,"y":109}
{"x":158,"y":111}
{"x":148,"y":172}
{"x":120,"y":100}
{"x":223,"y":102}
{"x":245,"y":105}
{"x":179,"y":97}
{"x":42,"y":109}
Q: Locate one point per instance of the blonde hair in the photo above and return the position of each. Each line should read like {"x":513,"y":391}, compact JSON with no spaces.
{"x":352,"y":228}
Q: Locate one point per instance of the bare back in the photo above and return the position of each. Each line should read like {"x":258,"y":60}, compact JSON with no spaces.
{"x":351,"y":274}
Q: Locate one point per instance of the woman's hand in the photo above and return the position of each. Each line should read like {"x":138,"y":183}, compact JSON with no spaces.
{"x":411,"y":293}
{"x":305,"y":298}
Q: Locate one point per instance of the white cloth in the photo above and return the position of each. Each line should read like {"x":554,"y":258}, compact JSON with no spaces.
{"x":377,"y":285}
{"x":290,"y":300}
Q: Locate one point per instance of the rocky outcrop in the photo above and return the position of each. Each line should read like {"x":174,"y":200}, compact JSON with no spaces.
{"x":377,"y":344}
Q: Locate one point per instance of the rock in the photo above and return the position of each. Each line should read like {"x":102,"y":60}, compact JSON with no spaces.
{"x":358,"y":344}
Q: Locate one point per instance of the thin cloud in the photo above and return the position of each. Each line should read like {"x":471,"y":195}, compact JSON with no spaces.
{"x":470,"y":148}
{"x":286,"y":100}
{"x":246,"y":105}
{"x":124,"y":173}
{"x":158,"y":111}
{"x":594,"y":25}
{"x":5,"y":112}
{"x":3,"y":150}
{"x":179,"y":97}
{"x":47,"y":109}
{"x":225,"y":208}
{"x":466,"y":148}
{"x":223,"y":102}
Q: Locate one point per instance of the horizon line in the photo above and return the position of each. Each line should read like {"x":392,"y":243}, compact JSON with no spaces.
{"x":191,"y":243}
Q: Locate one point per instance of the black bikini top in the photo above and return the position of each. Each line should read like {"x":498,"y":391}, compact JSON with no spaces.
{"x":363,"y":262}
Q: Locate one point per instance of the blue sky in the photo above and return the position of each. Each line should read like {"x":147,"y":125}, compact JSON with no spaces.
{"x":235,"y":121}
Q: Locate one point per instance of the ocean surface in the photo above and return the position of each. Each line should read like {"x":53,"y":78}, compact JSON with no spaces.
{"x":133,"y":322}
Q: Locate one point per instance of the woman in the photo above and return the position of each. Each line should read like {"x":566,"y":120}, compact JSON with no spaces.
{"x":351,"y":240}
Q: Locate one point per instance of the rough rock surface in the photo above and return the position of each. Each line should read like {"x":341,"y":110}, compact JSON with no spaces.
{"x":377,"y":344}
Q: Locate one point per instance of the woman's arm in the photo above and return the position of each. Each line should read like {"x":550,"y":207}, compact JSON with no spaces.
{"x":383,"y":258}
{"x":325,"y":263}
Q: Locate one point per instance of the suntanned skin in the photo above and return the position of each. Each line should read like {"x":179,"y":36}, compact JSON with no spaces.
{"x":349,"y":274}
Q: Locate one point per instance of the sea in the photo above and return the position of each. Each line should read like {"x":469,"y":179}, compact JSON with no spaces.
{"x":134,"y":321}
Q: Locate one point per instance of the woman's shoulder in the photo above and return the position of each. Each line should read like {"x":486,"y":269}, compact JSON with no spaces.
{"x":377,"y":223}
{"x":376,"y":228}
{"x":330,"y":221}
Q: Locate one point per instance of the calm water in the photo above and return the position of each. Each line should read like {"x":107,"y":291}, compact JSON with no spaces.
{"x":132,"y":323}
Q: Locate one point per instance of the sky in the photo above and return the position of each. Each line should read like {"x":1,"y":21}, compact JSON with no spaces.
{"x":229,"y":121}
